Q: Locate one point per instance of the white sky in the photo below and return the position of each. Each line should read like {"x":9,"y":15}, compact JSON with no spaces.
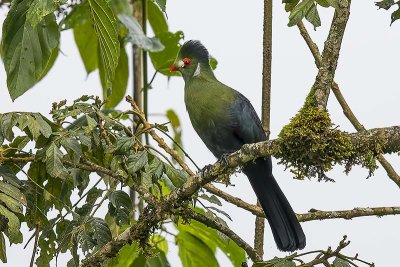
{"x":232,"y":31}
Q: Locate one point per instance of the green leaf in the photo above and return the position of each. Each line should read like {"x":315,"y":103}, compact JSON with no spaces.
{"x":73,"y":148}
{"x":290,"y":4}
{"x":164,"y":59}
{"x":44,"y":127}
{"x":126,"y":256}
{"x":13,"y":226}
{"x":385,"y":4}
{"x":9,"y":176}
{"x":120,"y":82}
{"x":211,"y":237}
{"x":93,"y":194}
{"x":313,"y":17}
{"x":137,"y":161}
{"x":299,"y":12}
{"x":80,"y":15}
{"x":156,"y":168}
{"x":177,"y":177}
{"x":173,"y":118}
{"x":54,"y":164}
{"x":124,"y":144}
{"x":395,"y":15}
{"x":87,"y":42}
{"x":212,"y":199}
{"x":91,"y":124}
{"x":12,"y":204}
{"x":13,"y":192}
{"x":41,"y":8}
{"x":137,"y":37}
{"x":160,"y":260}
{"x":120,"y":207}
{"x":338,"y":262}
{"x":159,"y":242}
{"x":213,"y":62}
{"x":121,"y":7}
{"x":26,"y":50}
{"x":161,"y":3}
{"x":102,"y":233}
{"x":105,"y":26}
{"x":3,"y":254}
{"x":7,"y":122}
{"x":194,"y":252}
{"x":156,"y":18}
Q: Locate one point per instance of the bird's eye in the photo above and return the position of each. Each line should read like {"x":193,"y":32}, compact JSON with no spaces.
{"x":187,"y":61}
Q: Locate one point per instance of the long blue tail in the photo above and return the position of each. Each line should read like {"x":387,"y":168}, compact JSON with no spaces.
{"x":288,"y":234}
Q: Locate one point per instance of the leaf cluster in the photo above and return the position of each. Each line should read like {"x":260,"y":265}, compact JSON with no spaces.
{"x":45,"y":164}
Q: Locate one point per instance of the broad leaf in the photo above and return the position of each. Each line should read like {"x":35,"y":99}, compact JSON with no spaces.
{"x":120,"y":207}
{"x":299,"y":12}
{"x":136,"y":35}
{"x":156,"y":168}
{"x":156,"y":18}
{"x":164,"y":59}
{"x":26,"y":50}
{"x":210,"y":237}
{"x":177,"y":177}
{"x":105,"y":26}
{"x":41,"y":8}
{"x":13,"y":226}
{"x":87,"y":42}
{"x":338,"y":262}
{"x":313,"y":17}
{"x":161,"y":3}
{"x":124,"y":144}
{"x":54,"y":164}
{"x":137,"y":161}
{"x":194,"y":252}
{"x":120,"y":82}
{"x":102,"y":233}
{"x":385,"y":4}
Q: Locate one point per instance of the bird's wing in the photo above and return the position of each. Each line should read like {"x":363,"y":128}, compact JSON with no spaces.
{"x":247,"y":125}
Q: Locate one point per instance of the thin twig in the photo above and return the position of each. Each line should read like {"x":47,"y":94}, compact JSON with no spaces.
{"x":35,"y":245}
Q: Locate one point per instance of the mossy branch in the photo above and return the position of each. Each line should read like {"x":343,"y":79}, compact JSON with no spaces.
{"x":330,"y":54}
{"x":343,"y":103}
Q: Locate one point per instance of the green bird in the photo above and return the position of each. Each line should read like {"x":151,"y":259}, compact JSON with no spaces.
{"x":225,"y":120}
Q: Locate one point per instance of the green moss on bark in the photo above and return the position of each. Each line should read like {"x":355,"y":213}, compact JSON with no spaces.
{"x":310,"y":145}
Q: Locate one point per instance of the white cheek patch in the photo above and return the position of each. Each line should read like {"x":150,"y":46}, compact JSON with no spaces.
{"x":181,"y":64}
{"x":197,"y":72}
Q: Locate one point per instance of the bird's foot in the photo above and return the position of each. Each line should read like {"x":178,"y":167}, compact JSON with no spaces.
{"x":206,"y":171}
{"x":224,"y":159}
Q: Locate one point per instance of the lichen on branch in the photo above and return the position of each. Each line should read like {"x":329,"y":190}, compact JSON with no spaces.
{"x":310,"y":145}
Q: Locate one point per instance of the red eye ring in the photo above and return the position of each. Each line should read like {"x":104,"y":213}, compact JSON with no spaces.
{"x":187,"y":61}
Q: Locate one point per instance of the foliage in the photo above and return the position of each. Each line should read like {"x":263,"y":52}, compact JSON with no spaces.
{"x":61,"y":163}
{"x":387,"y":4}
{"x":44,"y":164}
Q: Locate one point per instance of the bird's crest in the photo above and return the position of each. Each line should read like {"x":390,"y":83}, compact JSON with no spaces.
{"x":195,"y":49}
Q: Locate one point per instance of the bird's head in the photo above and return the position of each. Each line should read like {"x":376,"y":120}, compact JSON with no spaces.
{"x":192,"y":58}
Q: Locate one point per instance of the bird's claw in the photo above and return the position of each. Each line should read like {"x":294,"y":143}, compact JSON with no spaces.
{"x":224,"y":159}
{"x":205,"y":172}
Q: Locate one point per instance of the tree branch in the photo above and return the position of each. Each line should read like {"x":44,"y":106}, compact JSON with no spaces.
{"x":330,"y":54}
{"x":347,"y":214}
{"x":265,"y":110}
{"x":343,"y":103}
{"x":225,"y":230}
